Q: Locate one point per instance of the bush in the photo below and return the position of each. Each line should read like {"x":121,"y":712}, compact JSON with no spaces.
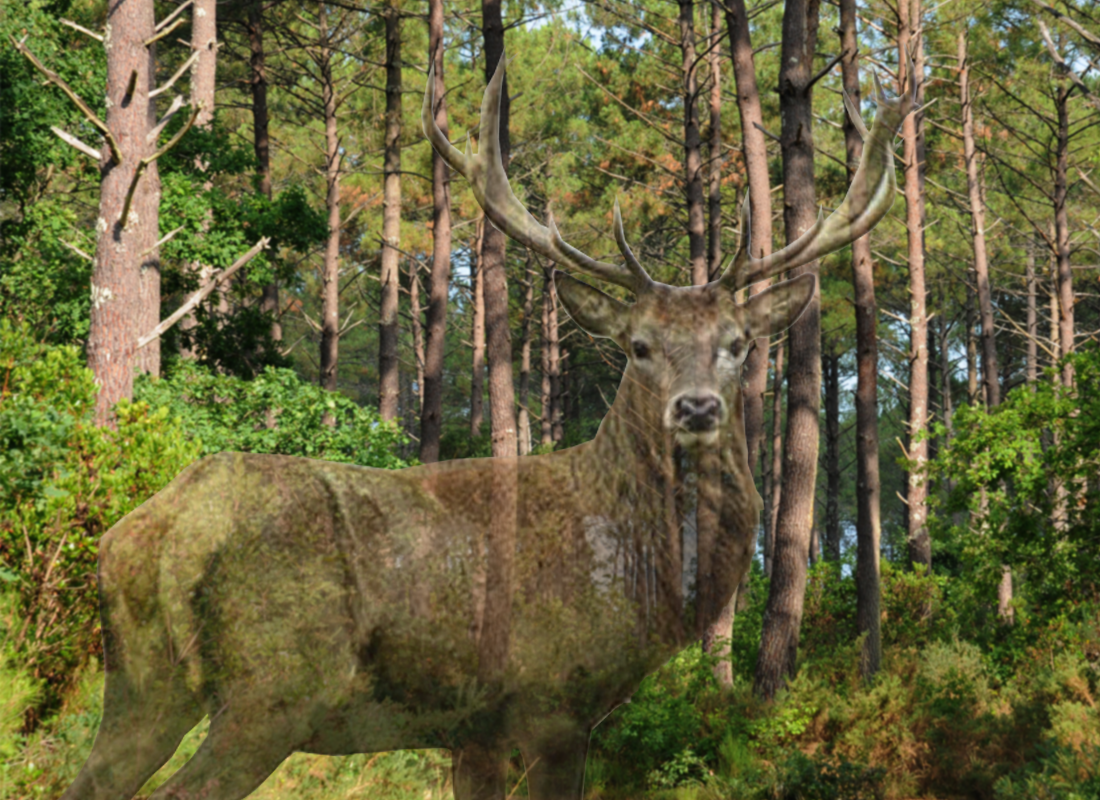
{"x":277,"y":412}
{"x":64,"y":482}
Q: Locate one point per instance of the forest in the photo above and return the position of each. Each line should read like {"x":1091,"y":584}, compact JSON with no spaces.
{"x":296,"y":271}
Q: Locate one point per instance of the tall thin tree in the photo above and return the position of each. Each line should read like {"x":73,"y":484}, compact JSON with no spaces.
{"x":868,"y":482}
{"x":391,"y":219}
{"x":431,"y":419}
{"x":909,"y":41}
{"x":783,"y":612}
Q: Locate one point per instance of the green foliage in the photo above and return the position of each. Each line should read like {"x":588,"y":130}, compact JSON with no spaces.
{"x":64,"y":482}
{"x":220,"y":221}
{"x":1022,"y":493}
{"x":275,"y":413}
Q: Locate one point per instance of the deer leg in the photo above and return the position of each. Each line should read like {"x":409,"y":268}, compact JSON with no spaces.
{"x":235,"y":758}
{"x":139,"y":732}
{"x":555,"y":763}
{"x":479,"y":773}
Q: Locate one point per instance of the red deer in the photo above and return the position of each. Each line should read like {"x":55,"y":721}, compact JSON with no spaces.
{"x":334,"y":609}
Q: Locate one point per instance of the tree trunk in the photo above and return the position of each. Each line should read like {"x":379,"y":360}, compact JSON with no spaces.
{"x":693,"y":156}
{"x":714,"y":152}
{"x":525,"y":360}
{"x":868,"y":484}
{"x":261,"y":142}
{"x":717,"y":637}
{"x":920,"y":544}
{"x":971,"y":347}
{"x":494,"y":643}
{"x":990,"y":370}
{"x":1032,"y":319}
{"x":771,"y":511}
{"x":1061,"y":234}
{"x":557,"y":429}
{"x":417,"y":330}
{"x":783,"y":613}
{"x":330,"y":280}
{"x":831,"y":542}
{"x":545,"y":391}
{"x":431,"y":419}
{"x":116,"y":287}
{"x":477,"y":375}
{"x":203,"y":88}
{"x":945,"y":379}
{"x":754,"y":147}
{"x":391,"y":220}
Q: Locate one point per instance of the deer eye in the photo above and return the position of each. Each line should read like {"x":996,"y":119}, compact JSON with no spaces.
{"x":736,"y":347}
{"x":641,"y":349}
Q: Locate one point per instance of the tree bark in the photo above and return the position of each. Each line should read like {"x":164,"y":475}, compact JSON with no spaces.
{"x":417,"y":331}
{"x":557,"y":429}
{"x":525,"y":360}
{"x":920,"y":543}
{"x":330,"y":279}
{"x":1032,"y":319}
{"x":477,"y":375}
{"x":261,"y":141}
{"x":990,"y":370}
{"x":545,"y":393}
{"x":771,"y":510}
{"x":868,"y":483}
{"x":716,"y":157}
{"x":495,"y":640}
{"x":1061,"y":234}
{"x":971,"y":347}
{"x":203,"y":88}
{"x":754,"y":147}
{"x":693,"y":151}
{"x":116,"y":286}
{"x":431,"y":419}
{"x":783,"y":613}
{"x":831,"y":542}
{"x":388,"y":386}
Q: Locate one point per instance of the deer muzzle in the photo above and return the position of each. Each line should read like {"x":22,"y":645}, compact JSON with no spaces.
{"x":696,"y":413}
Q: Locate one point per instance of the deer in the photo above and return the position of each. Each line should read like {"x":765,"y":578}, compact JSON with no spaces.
{"x":304,"y":605}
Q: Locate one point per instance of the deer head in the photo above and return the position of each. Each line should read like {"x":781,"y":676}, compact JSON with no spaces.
{"x":685,"y":345}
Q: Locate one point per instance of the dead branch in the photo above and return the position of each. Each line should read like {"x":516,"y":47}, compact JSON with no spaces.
{"x":172,"y":109}
{"x":175,"y":76}
{"x":145,"y":162}
{"x":167,"y":238}
{"x":167,"y":20}
{"x":69,"y":139}
{"x":82,"y":29}
{"x":201,"y":294}
{"x":77,"y":250}
{"x":56,"y":80}
{"x":156,"y":37}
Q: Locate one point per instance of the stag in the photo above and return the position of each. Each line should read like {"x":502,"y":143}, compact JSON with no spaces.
{"x":311,"y":606}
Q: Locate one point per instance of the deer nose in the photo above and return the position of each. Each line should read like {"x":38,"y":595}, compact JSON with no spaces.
{"x":698,"y":413}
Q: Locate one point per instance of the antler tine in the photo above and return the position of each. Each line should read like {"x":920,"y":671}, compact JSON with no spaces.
{"x":869,"y":197}
{"x":632,"y":263}
{"x":485,"y":172}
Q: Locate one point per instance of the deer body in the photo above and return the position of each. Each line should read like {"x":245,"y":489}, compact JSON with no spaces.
{"x":474,"y":605}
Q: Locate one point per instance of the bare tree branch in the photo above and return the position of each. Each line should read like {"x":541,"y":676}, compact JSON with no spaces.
{"x":201,"y":294}
{"x":69,"y":139}
{"x":145,"y":162}
{"x":173,"y":15}
{"x":82,"y":29}
{"x":176,"y":76}
{"x":56,"y":79}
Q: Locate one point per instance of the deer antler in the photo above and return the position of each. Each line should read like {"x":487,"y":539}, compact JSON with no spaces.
{"x":869,"y":197}
{"x":485,"y":172}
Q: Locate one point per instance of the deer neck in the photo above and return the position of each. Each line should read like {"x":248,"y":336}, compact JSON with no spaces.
{"x":634,"y":446}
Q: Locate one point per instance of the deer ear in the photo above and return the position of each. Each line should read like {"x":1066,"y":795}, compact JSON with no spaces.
{"x":777,"y":307}
{"x":597,"y":313}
